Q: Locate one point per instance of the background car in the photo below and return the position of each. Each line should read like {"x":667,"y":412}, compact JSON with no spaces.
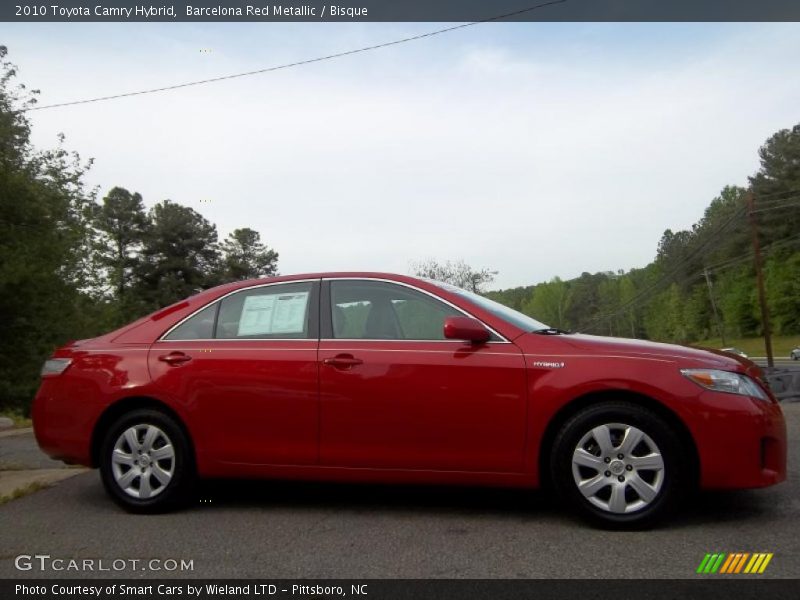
{"x":378,"y":377}
{"x":735,"y":351}
{"x":795,"y":354}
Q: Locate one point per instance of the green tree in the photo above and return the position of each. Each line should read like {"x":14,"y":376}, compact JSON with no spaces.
{"x":725,"y":213}
{"x":608,"y":295}
{"x":677,"y":256}
{"x":549,"y":303}
{"x":245,"y":257}
{"x":783,"y":291}
{"x":513,"y":297}
{"x":697,"y":317}
{"x":180,"y":255}
{"x":45,"y":243}
{"x":122,"y":223}
{"x":777,"y":182}
{"x":738,"y":305}
{"x":627,"y":292}
{"x":583,"y":304}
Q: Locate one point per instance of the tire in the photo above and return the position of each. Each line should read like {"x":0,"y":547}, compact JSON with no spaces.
{"x":155,"y":476}
{"x":635,"y":492}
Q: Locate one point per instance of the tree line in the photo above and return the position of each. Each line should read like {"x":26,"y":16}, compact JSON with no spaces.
{"x":73,"y":265}
{"x":701,"y":284}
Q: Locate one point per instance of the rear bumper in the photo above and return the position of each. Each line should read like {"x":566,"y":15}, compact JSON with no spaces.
{"x":741,"y":442}
{"x":63,"y":429}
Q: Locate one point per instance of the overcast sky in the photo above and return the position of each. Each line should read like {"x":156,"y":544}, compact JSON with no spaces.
{"x":537,"y":150}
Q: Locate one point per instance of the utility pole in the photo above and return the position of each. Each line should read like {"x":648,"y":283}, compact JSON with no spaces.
{"x":762,"y":296}
{"x":720,"y":328}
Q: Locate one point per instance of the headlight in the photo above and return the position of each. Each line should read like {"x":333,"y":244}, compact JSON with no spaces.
{"x":725,"y":381}
{"x":55,"y":366}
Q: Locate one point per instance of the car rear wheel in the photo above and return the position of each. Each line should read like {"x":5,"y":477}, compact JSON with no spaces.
{"x":146,"y":463}
{"x":620,"y":465}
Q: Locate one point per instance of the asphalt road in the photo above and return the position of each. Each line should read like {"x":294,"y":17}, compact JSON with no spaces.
{"x":21,"y":452}
{"x":293,"y":530}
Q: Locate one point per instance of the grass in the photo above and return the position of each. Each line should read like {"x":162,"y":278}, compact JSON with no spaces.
{"x":19,"y":419}
{"x":11,"y":466}
{"x":25,"y":490}
{"x":781,"y":345}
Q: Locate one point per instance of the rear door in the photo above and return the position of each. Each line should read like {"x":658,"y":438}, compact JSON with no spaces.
{"x":245,"y":369}
{"x":395,"y":394}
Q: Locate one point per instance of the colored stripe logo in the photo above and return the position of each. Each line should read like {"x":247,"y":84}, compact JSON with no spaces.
{"x":734,"y":563}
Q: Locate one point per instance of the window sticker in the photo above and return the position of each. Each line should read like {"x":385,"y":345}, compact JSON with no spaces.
{"x":276,"y":313}
{"x":289,"y":315}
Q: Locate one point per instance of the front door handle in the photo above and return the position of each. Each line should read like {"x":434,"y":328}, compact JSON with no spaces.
{"x":175,"y":358}
{"x":342,"y":361}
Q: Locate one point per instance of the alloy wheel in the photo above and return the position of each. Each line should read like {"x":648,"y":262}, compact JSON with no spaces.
{"x":618,"y":468}
{"x":143,"y":461}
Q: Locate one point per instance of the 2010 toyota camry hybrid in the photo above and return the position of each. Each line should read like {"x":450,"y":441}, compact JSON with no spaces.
{"x":388,"y":378}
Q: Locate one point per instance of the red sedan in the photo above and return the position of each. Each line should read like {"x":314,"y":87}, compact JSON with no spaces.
{"x":376,"y":377}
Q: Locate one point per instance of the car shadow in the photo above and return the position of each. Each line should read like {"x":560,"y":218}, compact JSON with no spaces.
{"x":502,"y":503}
{"x":723,"y":507}
{"x":742,"y":506}
{"x":363,"y":497}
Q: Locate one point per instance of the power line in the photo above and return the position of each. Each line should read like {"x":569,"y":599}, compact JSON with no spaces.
{"x":644,"y":296}
{"x":731,"y":262}
{"x":726,"y":264}
{"x":712,"y":239}
{"x":300,"y":62}
{"x":737,"y":260}
{"x":792,"y":204}
{"x":760,"y":197}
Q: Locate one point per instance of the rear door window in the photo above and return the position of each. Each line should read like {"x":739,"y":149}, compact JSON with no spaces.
{"x":280,"y":311}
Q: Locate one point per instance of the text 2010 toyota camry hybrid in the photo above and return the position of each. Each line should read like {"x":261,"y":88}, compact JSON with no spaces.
{"x":387,"y":378}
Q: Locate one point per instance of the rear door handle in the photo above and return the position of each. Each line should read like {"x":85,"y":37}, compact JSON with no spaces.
{"x":342,"y":361}
{"x":175,"y":358}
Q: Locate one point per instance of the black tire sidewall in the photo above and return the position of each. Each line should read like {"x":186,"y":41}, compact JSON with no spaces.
{"x":676,"y":463}
{"x":177,"y":490}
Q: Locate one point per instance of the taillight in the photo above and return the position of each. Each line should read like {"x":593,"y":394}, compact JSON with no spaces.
{"x":55,"y":366}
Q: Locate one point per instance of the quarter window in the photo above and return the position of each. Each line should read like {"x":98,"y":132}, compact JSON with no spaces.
{"x":199,"y":327}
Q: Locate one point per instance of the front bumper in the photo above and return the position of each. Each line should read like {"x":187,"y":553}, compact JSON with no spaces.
{"x":741,"y":441}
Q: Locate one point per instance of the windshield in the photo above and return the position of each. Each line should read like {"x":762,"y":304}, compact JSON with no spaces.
{"x":509,"y":315}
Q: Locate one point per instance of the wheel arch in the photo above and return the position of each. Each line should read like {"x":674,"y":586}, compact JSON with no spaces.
{"x":125,"y":405}
{"x":579,"y":403}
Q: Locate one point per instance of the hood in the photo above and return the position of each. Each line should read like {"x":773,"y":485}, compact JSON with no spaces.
{"x":611,"y":346}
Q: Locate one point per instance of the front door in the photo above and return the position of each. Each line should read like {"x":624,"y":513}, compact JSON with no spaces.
{"x":394,"y":393}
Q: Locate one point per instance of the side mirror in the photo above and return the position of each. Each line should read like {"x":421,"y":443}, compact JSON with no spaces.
{"x":466,"y":328}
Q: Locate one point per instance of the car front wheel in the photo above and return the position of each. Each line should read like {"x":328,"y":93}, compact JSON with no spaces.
{"x":620,"y":465}
{"x":146,"y":463}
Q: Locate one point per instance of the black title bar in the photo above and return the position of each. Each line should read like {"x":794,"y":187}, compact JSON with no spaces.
{"x":745,"y":588}
{"x":399,"y":10}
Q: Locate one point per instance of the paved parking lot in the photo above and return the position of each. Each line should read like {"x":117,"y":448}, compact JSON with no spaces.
{"x":264,"y":529}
